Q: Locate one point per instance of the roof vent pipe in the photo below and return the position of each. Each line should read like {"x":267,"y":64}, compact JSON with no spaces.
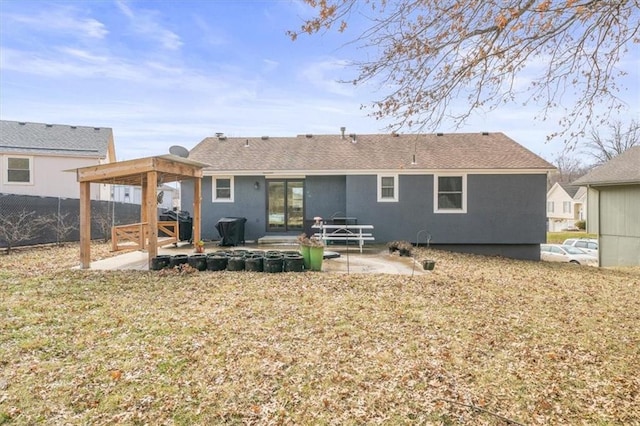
{"x":246,"y":143}
{"x":439,"y":134}
{"x":353,"y":137}
{"x":485,"y":133}
{"x":219,"y":134}
{"x":342,"y":130}
{"x":413,"y":161}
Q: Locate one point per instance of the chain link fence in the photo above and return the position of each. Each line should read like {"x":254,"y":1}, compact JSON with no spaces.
{"x":29,"y":220}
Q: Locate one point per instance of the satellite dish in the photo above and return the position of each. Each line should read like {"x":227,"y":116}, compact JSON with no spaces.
{"x":180,"y":151}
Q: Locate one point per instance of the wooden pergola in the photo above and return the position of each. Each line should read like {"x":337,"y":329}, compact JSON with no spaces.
{"x":145,"y":172}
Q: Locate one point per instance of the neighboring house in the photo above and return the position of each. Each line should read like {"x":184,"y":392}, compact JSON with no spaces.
{"x":168,"y":196}
{"x":613,"y":199}
{"x":566,"y":204}
{"x":35,"y":158}
{"x":480,"y":193}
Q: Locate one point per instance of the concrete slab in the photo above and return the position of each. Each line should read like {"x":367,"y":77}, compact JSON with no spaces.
{"x":374,"y":259}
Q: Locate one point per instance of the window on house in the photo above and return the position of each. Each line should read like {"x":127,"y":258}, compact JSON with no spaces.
{"x":450,"y":194}
{"x":549,"y":206}
{"x":387,"y":188}
{"x":19,"y":170}
{"x":566,"y":207}
{"x":222,"y":189}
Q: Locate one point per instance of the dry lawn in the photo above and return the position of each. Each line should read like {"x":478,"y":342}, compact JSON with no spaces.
{"x":478,"y":341}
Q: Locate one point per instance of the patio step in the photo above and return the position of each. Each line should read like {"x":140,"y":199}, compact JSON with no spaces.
{"x":278,"y":239}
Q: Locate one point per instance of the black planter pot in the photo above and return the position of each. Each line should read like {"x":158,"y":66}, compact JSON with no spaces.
{"x":293,"y":263}
{"x":216,"y":262}
{"x":273,"y":263}
{"x":198,"y":261}
{"x":428,"y":264}
{"x":178,"y":259}
{"x":160,"y":262}
{"x":254,"y":263}
{"x":405,"y":252}
{"x":235,"y":263}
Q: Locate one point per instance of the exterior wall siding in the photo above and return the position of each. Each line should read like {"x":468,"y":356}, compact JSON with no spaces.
{"x":620,"y":226}
{"x":49,"y":178}
{"x":505,"y":213}
{"x":518,"y":199}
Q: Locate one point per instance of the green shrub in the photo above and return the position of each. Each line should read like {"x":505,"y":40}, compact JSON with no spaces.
{"x":581,"y":224}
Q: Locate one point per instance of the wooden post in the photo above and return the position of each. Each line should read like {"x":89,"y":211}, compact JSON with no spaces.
{"x":85,"y":225}
{"x":197,"y":203}
{"x":151,"y":205}
{"x":143,"y":213}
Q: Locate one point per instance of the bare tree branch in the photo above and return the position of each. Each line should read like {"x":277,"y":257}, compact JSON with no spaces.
{"x":441,"y":60}
{"x":603,"y":147}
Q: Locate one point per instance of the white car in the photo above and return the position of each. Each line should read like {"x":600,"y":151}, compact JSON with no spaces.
{"x":562,"y":253}
{"x":587,"y":244}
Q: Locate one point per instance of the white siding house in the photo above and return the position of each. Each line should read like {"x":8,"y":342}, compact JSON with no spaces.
{"x":35,"y":158}
{"x":566,"y":204}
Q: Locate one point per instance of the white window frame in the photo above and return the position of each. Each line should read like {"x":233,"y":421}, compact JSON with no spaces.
{"x":566,"y":207}
{"x":214,"y":181}
{"x":396,"y":191}
{"x":550,"y":206}
{"x":462,"y":210}
{"x":6,"y":170}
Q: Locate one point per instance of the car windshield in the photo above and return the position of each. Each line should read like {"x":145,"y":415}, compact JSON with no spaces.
{"x":573,"y":250}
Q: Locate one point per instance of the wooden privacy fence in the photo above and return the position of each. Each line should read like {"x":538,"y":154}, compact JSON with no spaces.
{"x":136,"y":235}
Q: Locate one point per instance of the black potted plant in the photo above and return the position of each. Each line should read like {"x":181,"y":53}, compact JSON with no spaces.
{"x":405,"y":248}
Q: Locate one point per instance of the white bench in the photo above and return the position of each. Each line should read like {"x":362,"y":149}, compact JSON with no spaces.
{"x":345,"y":233}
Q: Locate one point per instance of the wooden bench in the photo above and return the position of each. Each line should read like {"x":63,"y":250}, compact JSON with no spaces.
{"x":345,"y":233}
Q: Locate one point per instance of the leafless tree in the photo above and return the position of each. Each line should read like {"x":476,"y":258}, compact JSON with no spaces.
{"x":569,"y":168}
{"x":443,"y":59}
{"x":19,"y":227}
{"x":103,"y":218}
{"x":63,"y":224}
{"x":618,"y":138}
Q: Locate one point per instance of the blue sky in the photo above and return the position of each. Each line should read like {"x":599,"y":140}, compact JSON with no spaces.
{"x":163,"y":73}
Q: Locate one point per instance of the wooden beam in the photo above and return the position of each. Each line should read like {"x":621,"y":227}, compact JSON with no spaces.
{"x":85,"y":225}
{"x":151,"y":206}
{"x":197,"y":206}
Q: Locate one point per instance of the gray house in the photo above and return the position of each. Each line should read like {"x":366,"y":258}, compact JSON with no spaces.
{"x":613,"y":199}
{"x":480,"y":193}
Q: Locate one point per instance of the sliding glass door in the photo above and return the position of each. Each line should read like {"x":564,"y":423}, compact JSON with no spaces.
{"x":285,"y":205}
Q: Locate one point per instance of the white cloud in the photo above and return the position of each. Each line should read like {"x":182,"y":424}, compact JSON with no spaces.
{"x":325,"y":75}
{"x":62,"y":20}
{"x":145,"y":23}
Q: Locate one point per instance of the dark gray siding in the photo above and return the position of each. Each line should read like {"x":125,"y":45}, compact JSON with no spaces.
{"x":502,"y":211}
{"x":325,"y":196}
{"x":505,"y":213}
{"x":248,"y":202}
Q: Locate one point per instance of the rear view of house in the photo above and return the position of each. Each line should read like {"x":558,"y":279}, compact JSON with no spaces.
{"x":480,"y":193}
{"x":566,"y":205}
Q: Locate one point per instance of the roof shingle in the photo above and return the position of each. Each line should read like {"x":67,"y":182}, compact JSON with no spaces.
{"x":625,"y":168}
{"x":54,"y":139}
{"x":369,"y":152}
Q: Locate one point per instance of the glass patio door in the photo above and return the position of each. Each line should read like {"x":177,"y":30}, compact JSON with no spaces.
{"x":285,"y":205}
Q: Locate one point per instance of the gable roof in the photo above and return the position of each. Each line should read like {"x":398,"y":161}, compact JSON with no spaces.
{"x":370,"y":152}
{"x":55,"y":139}
{"x":623,"y":169}
{"x":570,"y":189}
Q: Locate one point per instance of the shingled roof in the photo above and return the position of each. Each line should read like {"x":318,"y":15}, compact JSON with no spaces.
{"x":623,"y":169}
{"x":367,"y":152}
{"x":55,"y":139}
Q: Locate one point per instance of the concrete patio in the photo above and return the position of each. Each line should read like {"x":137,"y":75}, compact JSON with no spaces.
{"x":375,"y":259}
